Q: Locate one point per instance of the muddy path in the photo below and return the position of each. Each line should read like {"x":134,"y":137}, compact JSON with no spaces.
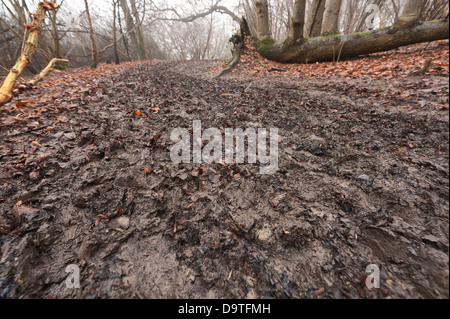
{"x":360,"y":181}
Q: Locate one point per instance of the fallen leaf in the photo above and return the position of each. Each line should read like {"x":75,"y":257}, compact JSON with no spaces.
{"x":401,"y":152}
{"x":21,"y":212}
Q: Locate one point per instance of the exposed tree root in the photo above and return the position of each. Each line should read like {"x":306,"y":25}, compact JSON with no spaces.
{"x":239,"y":42}
{"x":236,"y":58}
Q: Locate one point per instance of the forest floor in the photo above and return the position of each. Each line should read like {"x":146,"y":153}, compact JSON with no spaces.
{"x":86,"y":179}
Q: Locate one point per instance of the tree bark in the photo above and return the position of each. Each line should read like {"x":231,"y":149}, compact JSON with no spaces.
{"x":139,"y":31}
{"x":296,"y":31}
{"x":124,"y":39}
{"x":35,"y":30}
{"x":327,"y":48}
{"x":92,"y":36}
{"x":316,"y":18}
{"x":262,"y":19}
{"x":116,"y":51}
{"x":331,"y":18}
{"x":57,"y":50}
{"x":411,"y":13}
{"x":130,"y":27}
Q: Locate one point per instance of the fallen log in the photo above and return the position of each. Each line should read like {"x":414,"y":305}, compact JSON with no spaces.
{"x":327,"y":48}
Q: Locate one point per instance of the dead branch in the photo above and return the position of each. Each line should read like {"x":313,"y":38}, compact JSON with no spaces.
{"x":212,"y":9}
{"x":49,"y":68}
{"x":34,"y":30}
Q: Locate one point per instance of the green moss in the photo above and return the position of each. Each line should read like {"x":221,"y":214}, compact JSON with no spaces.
{"x":433,"y":21}
{"x":61,"y":66}
{"x":227,"y":60}
{"x":327,"y":35}
{"x":286,"y":43}
{"x":265,"y":45}
{"x":387,"y":28}
{"x":363,"y":33}
{"x":330,"y":34}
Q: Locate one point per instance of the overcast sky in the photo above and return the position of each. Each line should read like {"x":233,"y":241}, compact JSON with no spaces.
{"x":103,"y":7}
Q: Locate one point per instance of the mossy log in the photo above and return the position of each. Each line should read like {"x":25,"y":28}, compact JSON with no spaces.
{"x":329,"y":48}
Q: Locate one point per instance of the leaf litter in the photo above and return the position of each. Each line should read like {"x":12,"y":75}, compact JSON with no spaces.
{"x":86,"y":179}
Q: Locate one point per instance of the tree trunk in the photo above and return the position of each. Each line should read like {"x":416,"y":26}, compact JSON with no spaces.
{"x":35,"y":30}
{"x":57,"y":51}
{"x":327,"y":48}
{"x":139,"y":31}
{"x":250,"y":15}
{"x":124,"y":38}
{"x":116,"y":51}
{"x":316,"y":18}
{"x":411,"y":13}
{"x":262,"y":19}
{"x":92,"y":36}
{"x":331,"y":18}
{"x":298,"y":21}
{"x":130,"y":27}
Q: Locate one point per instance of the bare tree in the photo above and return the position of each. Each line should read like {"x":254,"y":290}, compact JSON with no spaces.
{"x":57,"y":49}
{"x":92,"y":36}
{"x":34,"y":29}
{"x":116,"y":52}
{"x":139,"y":31}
